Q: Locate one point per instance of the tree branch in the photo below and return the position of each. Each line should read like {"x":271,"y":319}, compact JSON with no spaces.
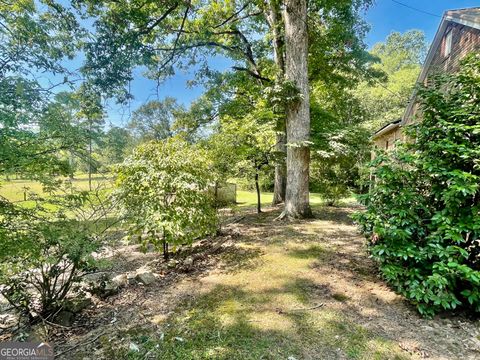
{"x":232,"y":16}
{"x":252,"y":73}
{"x":158,"y":21}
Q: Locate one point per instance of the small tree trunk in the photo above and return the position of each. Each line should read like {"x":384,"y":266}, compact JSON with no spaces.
{"x":216,"y":193}
{"x":298,"y":113}
{"x":166,"y":255}
{"x":71,"y":164}
{"x":90,"y":158}
{"x":257,"y":187}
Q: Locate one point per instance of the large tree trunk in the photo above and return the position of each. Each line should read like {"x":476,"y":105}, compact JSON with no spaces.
{"x":280,"y":185}
{"x":298,"y":112}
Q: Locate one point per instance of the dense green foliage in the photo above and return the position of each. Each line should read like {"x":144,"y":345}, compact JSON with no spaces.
{"x":164,"y":191}
{"x":401,"y":57}
{"x":45,"y":249}
{"x":46,"y":243}
{"x":341,"y":144}
{"x":35,"y":38}
{"x":423,"y":213}
{"x":243,"y":147}
{"x":344,"y":113}
{"x":153,"y":120}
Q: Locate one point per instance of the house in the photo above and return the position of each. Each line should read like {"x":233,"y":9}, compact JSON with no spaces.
{"x":457,"y":35}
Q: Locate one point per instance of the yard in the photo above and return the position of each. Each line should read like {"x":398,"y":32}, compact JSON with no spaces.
{"x":263,"y":289}
{"x":137,"y":119}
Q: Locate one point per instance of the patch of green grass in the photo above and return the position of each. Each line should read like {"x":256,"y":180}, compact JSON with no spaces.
{"x":215,"y":326}
{"x":262,"y":311}
{"x":15,"y":190}
{"x":249,"y":198}
{"x":310,"y":252}
{"x":340,"y":297}
{"x":219,"y":325}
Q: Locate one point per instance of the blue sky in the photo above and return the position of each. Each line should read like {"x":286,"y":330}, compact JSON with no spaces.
{"x":387,"y":16}
{"x":384,"y":17}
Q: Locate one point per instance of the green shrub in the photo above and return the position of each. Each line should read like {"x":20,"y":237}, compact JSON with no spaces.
{"x":163,"y":193}
{"x":422,"y":216}
{"x":330,"y":178}
{"x":45,"y":250}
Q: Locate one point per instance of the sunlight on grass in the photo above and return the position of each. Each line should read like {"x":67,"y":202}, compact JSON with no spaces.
{"x":15,"y":190}
{"x":265,"y":311}
{"x":249,"y":198}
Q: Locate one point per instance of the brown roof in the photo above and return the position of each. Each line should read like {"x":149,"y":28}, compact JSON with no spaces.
{"x":469,"y":16}
{"x":386,"y":128}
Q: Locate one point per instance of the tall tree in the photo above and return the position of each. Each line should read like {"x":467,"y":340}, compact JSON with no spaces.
{"x":243,"y":145}
{"x":401,"y":57}
{"x":153,"y":120}
{"x":35,"y":37}
{"x":116,"y":142}
{"x":298,"y":111}
{"x":275,"y":21}
{"x":92,"y":118}
{"x":163,"y":36}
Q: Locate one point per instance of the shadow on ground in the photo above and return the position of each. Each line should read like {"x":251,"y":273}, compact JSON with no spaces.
{"x":275,"y":290}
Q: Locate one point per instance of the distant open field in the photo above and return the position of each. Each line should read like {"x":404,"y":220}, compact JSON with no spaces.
{"x":15,"y":189}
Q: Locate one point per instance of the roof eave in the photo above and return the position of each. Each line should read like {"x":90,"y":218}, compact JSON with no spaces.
{"x":386,"y":129}
{"x":431,"y":53}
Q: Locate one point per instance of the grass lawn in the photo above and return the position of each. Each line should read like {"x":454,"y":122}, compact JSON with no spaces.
{"x":249,"y":199}
{"x":14,"y":190}
{"x":283,"y":291}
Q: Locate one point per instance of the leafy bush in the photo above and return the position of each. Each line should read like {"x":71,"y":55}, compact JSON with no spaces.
{"x":330,"y":181}
{"x":336,"y":163}
{"x":163,"y":192}
{"x":46,"y":249}
{"x":422,"y":216}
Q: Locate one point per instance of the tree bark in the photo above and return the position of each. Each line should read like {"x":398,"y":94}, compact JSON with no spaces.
{"x":298,"y":112}
{"x":165,"y":249}
{"x":280,"y":184}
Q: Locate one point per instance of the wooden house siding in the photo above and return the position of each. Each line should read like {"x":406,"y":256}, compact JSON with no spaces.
{"x":464,"y":41}
{"x":387,"y":140}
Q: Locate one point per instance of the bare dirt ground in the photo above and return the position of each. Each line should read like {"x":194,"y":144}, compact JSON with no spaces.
{"x":264,"y":290}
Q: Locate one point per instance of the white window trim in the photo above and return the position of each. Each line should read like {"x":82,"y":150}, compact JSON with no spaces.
{"x":448,"y":44}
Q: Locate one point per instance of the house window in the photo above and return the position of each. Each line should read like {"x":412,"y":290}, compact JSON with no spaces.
{"x":448,"y":44}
